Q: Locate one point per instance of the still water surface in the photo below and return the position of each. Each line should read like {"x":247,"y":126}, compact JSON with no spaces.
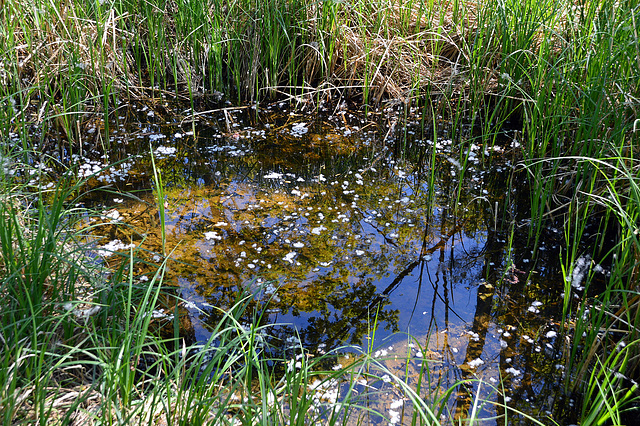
{"x":354,"y":232}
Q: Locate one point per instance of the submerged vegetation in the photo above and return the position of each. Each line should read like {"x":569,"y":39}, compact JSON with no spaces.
{"x":86,"y":343}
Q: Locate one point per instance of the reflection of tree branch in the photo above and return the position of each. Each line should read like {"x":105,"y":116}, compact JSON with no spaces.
{"x":398,"y":279}
{"x":410,"y":267}
{"x":386,"y":239}
{"x":375,"y":160}
{"x":475,"y":346}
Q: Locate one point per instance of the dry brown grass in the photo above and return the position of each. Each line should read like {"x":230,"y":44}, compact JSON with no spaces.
{"x":409,"y":51}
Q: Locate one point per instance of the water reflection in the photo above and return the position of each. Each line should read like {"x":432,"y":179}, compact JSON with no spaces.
{"x":340,"y":236}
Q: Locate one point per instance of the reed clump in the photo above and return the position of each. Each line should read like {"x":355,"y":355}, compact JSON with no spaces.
{"x":80,"y":344}
{"x":566,"y":74}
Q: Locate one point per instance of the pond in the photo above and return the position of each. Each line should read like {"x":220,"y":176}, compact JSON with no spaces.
{"x":376,"y":232}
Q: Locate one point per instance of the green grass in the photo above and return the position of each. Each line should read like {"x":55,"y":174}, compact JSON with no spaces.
{"x":606,"y":347}
{"x":561,"y":69}
{"x":565,"y":74}
{"x":81,"y":343}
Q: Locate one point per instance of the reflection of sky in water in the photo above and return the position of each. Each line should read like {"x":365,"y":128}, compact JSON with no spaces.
{"x":348,"y":239}
{"x":343,"y":229}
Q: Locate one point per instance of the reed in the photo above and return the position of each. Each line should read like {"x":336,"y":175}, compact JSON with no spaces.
{"x":608,"y":359}
{"x":566,"y":75}
{"x":83,"y":344}
{"x":493,"y":61}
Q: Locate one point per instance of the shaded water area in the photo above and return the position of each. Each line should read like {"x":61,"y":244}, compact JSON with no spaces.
{"x":351,"y":231}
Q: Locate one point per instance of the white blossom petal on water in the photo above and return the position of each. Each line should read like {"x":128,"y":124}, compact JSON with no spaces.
{"x":325,"y":391}
{"x":317,"y":230}
{"x":212,"y":235}
{"x":580,"y":268}
{"x":474,"y":336}
{"x":381,"y":352}
{"x":273,"y":175}
{"x":476,"y":363}
{"x":289,"y":257}
{"x":162,"y":151}
{"x":113,"y":215}
{"x":513,"y":371}
{"x":113,"y":246}
{"x":394,"y":417}
{"x":396,"y":404}
{"x":299,"y":129}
